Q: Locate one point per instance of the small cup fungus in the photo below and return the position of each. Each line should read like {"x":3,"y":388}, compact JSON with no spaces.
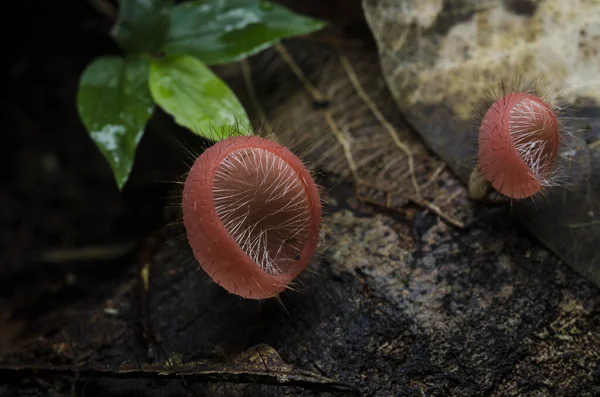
{"x":518,"y":145}
{"x":252,"y":215}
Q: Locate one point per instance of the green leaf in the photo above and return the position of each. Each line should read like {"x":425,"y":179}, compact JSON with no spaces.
{"x":188,"y":90}
{"x":223,"y":31}
{"x":114,"y":104}
{"x":142,"y":25}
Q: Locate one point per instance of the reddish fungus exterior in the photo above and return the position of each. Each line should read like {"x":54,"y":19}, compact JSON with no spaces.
{"x":252,"y":215}
{"x":518,"y":145}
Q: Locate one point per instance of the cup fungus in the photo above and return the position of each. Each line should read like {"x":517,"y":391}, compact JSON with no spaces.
{"x":518,"y":144}
{"x":252,"y":215}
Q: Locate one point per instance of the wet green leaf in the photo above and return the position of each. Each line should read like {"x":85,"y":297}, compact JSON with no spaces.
{"x":142,"y":25}
{"x":114,"y":104}
{"x":222,"y":31}
{"x":188,"y":90}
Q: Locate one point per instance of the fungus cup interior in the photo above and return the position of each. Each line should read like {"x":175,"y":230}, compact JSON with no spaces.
{"x":252,"y":214}
{"x":518,"y":145}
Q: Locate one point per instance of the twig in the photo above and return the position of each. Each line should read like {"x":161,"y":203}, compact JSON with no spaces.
{"x":434,"y":208}
{"x":345,"y":144}
{"x":386,"y":124}
{"x":584,"y":224}
{"x":245,"y":66}
{"x":434,"y":176}
{"x":90,"y":253}
{"x":313,"y":91}
{"x":192,"y":373}
{"x":424,"y":204}
{"x":146,"y":331}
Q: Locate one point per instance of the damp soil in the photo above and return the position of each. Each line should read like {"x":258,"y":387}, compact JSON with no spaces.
{"x":400,"y":304}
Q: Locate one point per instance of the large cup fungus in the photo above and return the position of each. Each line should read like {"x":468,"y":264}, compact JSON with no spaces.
{"x":252,"y":215}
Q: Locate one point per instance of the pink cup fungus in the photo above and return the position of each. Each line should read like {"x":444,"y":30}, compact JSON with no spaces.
{"x":518,"y":145}
{"x":252,"y":215}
